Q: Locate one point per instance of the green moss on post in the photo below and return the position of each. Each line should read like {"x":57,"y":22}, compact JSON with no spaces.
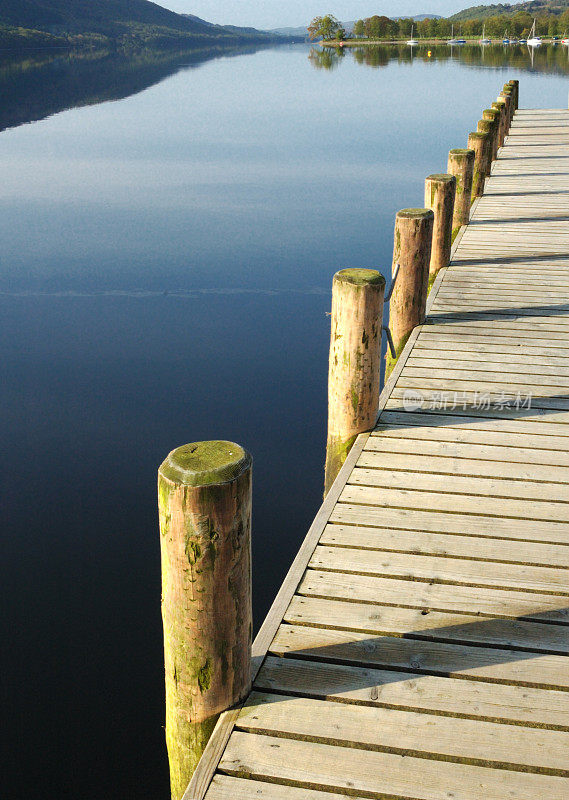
{"x":516,"y":89}
{"x":489,"y":126}
{"x":493,"y":114}
{"x":412,"y":251}
{"x":440,"y":192}
{"x":506,"y":96}
{"x":461,"y":165}
{"x":479,"y":142}
{"x":204,"y":501}
{"x":500,"y":105}
{"x":355,"y":362}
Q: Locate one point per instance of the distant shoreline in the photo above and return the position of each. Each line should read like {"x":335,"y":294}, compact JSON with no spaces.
{"x":366,"y":42}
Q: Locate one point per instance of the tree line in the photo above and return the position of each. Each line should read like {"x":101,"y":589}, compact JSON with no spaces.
{"x":379,"y":27}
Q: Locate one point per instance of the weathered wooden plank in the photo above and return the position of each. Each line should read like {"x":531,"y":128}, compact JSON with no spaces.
{"x":454,"y":545}
{"x":441,"y":454}
{"x":542,"y":418}
{"x":407,"y":732}
{"x":539,"y":427}
{"x":461,"y":483}
{"x":443,"y":337}
{"x":453,"y":433}
{"x":377,"y":774}
{"x":454,"y":503}
{"x":415,"y":692}
{"x":434,"y":596}
{"x":419,"y":519}
{"x":436,"y":626}
{"x":428,"y":362}
{"x":490,"y":664}
{"x":225,"y":787}
{"x":448,"y":375}
{"x":402,"y":458}
{"x":447,"y":569}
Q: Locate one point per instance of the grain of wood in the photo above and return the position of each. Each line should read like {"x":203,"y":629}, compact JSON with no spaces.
{"x":310,"y":764}
{"x":413,"y":691}
{"x":427,"y":596}
{"x":455,"y":545}
{"x":395,"y":730}
{"x":467,"y":662}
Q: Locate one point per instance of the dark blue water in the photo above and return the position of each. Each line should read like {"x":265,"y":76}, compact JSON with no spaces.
{"x":165,"y":268}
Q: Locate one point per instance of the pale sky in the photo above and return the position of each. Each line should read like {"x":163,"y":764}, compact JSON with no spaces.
{"x":292,"y":13}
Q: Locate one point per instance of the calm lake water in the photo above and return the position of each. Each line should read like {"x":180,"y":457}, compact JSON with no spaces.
{"x":165,"y":269}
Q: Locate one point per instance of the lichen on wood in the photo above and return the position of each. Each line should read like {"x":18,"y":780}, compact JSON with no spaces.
{"x":354,"y":364}
{"x":412,"y":242}
{"x":440,"y":192}
{"x":204,"y":497}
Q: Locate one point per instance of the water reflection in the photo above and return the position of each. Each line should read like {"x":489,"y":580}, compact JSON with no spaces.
{"x":550,"y":59}
{"x":37,"y":86}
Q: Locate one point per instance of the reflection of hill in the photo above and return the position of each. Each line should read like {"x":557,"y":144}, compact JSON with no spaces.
{"x":547,"y":59}
{"x":37,"y":87}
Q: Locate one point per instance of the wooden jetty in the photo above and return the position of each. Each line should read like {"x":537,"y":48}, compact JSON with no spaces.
{"x":418,"y":647}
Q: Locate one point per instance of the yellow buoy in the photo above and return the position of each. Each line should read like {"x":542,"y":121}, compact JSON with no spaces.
{"x":429,"y":53}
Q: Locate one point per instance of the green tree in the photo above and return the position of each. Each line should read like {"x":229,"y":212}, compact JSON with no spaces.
{"x":326,"y":27}
{"x":359,"y":28}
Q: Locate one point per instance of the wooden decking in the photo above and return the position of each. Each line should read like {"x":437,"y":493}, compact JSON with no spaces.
{"x":419,"y":646}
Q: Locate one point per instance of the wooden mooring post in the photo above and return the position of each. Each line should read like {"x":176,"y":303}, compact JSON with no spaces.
{"x":355,"y":362}
{"x":489,"y":126}
{"x":440,"y":192}
{"x":204,"y":499}
{"x":480,"y":142}
{"x":500,"y":105}
{"x":461,"y":165}
{"x":506,"y":96}
{"x":515,"y":84}
{"x":493,"y":114}
{"x":411,"y":261}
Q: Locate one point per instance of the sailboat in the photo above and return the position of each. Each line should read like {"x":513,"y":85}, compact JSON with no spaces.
{"x":484,"y":40}
{"x":506,"y":40}
{"x":534,"y":41}
{"x":565,"y":40}
{"x":452,"y":40}
{"x":412,"y":42}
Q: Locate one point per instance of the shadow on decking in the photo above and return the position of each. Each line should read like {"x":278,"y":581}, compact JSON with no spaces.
{"x":506,"y":220}
{"x":457,"y":651}
{"x":482,"y":259}
{"x":530,"y":157}
{"x":492,"y":192}
{"x":498,"y":174}
{"x":441,"y":317}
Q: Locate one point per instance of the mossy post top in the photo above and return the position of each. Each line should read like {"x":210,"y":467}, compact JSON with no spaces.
{"x":441,"y":178}
{"x":360,"y":277}
{"x":205,"y":463}
{"x":462,"y":152}
{"x":491,"y":112}
{"x":415,"y":213}
{"x":498,"y":103}
{"x":479,"y":135}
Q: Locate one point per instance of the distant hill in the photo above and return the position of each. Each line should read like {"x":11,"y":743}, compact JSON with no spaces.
{"x":300,"y":31}
{"x":112,"y":20}
{"x":532,"y":7}
{"x":419,"y":17}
